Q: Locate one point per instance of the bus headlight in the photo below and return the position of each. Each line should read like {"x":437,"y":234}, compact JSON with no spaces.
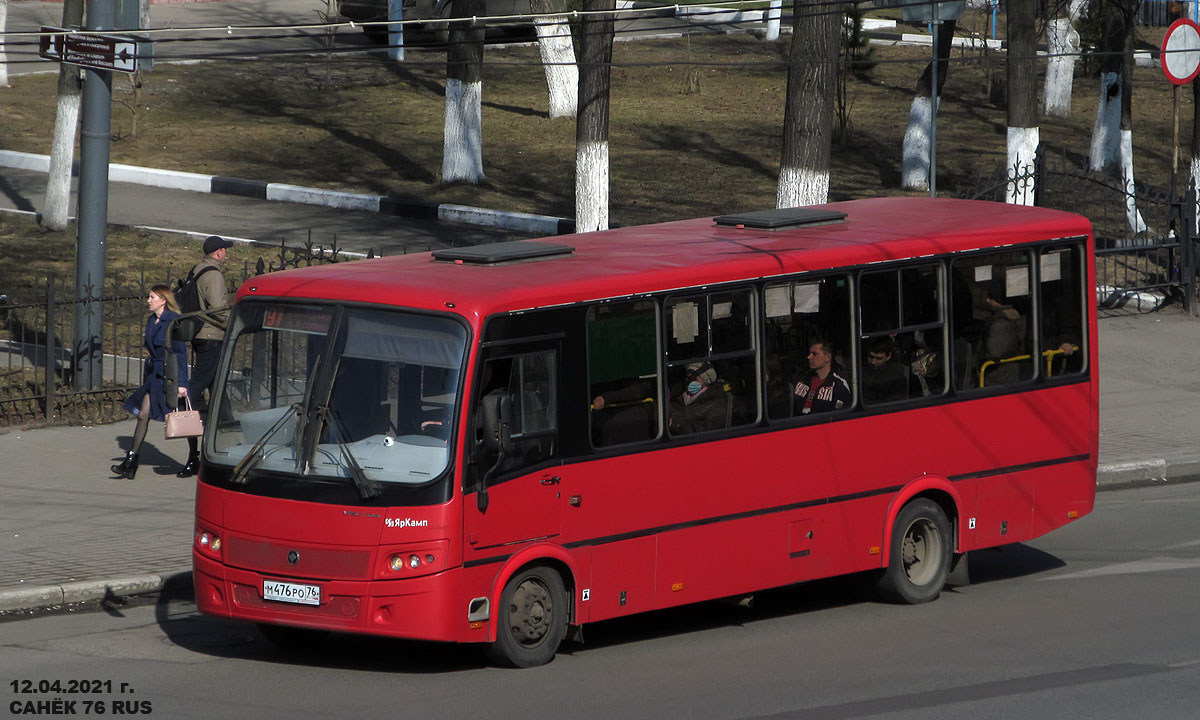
{"x":208,"y":542}
{"x":407,"y":561}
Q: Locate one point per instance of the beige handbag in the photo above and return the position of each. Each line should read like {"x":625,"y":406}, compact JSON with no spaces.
{"x":184,"y":423}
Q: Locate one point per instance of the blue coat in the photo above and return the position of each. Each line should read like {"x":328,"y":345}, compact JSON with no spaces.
{"x":155,"y":341}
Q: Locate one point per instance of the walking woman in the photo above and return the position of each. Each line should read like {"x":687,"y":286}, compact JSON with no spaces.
{"x":148,"y":401}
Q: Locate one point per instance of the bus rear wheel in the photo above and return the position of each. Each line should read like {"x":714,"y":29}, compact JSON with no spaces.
{"x":919,"y":560}
{"x":531,"y":620}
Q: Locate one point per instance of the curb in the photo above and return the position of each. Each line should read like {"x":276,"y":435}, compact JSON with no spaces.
{"x":45,"y":597}
{"x":1151,"y":471}
{"x":282,"y":192}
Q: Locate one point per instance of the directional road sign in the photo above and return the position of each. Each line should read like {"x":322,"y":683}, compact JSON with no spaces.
{"x":100,"y":52}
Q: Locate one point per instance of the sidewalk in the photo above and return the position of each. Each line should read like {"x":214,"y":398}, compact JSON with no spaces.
{"x":69,"y":533}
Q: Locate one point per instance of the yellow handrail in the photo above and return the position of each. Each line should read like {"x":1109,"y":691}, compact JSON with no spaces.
{"x":1048,"y":354}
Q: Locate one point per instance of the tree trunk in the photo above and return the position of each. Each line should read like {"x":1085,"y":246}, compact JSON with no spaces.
{"x":462,"y":155}
{"x":558,"y":57}
{"x":1128,"y":10}
{"x":808,"y":113}
{"x":591,"y":125}
{"x":1194,"y":165}
{"x":1022,"y":101}
{"x":915,"y":175}
{"x":56,"y":205}
{"x":1063,"y":41}
{"x":3,"y":46}
{"x":1106,"y":131}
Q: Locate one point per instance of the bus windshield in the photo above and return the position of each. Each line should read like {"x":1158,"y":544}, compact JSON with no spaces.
{"x":335,"y":394}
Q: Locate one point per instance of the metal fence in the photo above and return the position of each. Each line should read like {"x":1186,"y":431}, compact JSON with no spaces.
{"x":36,"y":341}
{"x":1145,"y":238}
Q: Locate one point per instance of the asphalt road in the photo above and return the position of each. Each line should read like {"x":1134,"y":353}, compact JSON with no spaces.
{"x":1095,"y":620}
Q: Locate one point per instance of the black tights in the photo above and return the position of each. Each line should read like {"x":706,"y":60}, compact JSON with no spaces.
{"x":143,"y":424}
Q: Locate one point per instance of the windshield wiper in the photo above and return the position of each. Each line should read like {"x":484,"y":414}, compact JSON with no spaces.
{"x":250,"y":459}
{"x":367,"y":488}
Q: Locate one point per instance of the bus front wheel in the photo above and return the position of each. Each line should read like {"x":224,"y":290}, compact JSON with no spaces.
{"x":919,"y":560}
{"x":531,"y":620}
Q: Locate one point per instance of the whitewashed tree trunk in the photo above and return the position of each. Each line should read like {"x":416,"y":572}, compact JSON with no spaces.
{"x":56,"y":206}
{"x":558,"y":57}
{"x":3,"y":46}
{"x":1022,"y":152}
{"x":591,"y":123}
{"x":1063,"y":42}
{"x":462,"y":148}
{"x":462,"y":157}
{"x":1195,"y":165}
{"x":591,"y":186}
{"x":915,"y":173}
{"x":773,"y":13}
{"x":1131,"y":212}
{"x":808,"y":113}
{"x":1107,"y":130}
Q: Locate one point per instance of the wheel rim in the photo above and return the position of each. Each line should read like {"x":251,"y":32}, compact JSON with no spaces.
{"x":531,"y":613}
{"x":921,"y":552}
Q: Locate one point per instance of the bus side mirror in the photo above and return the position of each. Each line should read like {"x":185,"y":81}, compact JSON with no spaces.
{"x":497,"y":422}
{"x":496,"y":408}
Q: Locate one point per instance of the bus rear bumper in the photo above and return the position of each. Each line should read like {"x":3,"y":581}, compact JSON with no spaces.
{"x":421,"y":608}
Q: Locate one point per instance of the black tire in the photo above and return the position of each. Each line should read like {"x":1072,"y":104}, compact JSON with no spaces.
{"x":919,"y":560}
{"x":293,"y":638}
{"x":531,"y":619}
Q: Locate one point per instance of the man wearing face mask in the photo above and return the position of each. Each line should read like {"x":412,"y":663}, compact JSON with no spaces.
{"x":703,"y":404}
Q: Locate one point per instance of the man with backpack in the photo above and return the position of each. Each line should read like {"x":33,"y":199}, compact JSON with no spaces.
{"x":210,"y":292}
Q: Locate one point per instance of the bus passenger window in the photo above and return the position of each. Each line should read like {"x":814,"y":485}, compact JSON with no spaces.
{"x":798,"y":315}
{"x":993,"y":334}
{"x":1060,"y":302}
{"x":712,"y":375}
{"x":902,"y":341}
{"x":623,"y":372}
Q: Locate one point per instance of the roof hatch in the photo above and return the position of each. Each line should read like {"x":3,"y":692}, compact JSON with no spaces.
{"x":780,"y":219}
{"x":501,"y":252}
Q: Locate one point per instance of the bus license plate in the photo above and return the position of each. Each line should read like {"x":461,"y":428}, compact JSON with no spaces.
{"x":291,"y":592}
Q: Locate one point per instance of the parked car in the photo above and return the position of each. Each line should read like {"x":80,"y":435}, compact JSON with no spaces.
{"x":432,"y":10}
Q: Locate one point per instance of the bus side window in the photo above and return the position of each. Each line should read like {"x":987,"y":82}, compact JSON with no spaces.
{"x":796,"y":315}
{"x":1060,"y":304}
{"x":530,"y":382}
{"x":712,"y":375}
{"x":623,"y":372}
{"x":902,"y":338}
{"x":993,"y":341}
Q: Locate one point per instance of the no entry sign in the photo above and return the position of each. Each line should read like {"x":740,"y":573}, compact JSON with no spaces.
{"x":1181,"y":51}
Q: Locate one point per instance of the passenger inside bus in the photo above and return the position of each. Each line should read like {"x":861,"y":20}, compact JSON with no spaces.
{"x":625,"y":415}
{"x":821,"y":389}
{"x":702,"y":402}
{"x":884,"y":378}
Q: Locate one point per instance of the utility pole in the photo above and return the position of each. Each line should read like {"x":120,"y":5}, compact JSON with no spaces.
{"x":92,"y":238}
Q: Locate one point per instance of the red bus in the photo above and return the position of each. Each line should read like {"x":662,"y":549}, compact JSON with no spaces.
{"x":501,"y":443}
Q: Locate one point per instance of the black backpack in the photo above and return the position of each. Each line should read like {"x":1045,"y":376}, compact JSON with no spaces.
{"x":188,"y":297}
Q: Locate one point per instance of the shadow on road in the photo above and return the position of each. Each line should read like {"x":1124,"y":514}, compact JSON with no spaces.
{"x":177,"y":617}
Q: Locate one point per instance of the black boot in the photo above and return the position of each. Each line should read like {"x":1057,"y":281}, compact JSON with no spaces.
{"x":192,"y":467}
{"x":128,"y":467}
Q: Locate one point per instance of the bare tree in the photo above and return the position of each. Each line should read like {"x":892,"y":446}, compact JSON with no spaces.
{"x":56,"y":205}
{"x":1062,"y":39}
{"x":808,"y":113}
{"x":915,"y":174}
{"x":558,"y":57}
{"x":1112,"y":135}
{"x":1023,"y":132}
{"x":462,"y":154}
{"x":591,"y":124}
